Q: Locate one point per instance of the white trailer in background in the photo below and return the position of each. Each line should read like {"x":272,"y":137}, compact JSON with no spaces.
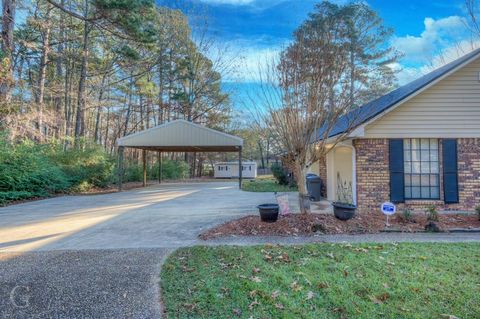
{"x":230,"y":170}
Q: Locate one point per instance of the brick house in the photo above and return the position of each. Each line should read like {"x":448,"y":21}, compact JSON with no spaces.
{"x":415,"y":146}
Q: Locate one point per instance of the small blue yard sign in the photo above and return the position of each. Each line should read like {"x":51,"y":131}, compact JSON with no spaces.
{"x":388,"y":209}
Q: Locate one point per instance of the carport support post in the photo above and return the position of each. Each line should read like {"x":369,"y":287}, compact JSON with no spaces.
{"x":120,"y":167}
{"x":160,"y":167}
{"x":144,"y":162}
{"x":240,"y":171}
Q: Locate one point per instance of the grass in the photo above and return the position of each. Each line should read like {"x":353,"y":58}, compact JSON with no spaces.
{"x":324,"y":281}
{"x":266,"y":184}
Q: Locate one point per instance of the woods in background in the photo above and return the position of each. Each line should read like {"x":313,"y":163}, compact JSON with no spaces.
{"x":96,"y":70}
{"x":76,"y":75}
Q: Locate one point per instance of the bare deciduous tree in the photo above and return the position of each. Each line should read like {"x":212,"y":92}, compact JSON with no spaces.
{"x":305,"y":95}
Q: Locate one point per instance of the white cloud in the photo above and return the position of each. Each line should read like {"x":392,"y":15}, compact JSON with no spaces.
{"x":406,"y":74}
{"x":441,"y":41}
{"x":437,"y":35}
{"x":249,"y":61}
{"x":444,"y":56}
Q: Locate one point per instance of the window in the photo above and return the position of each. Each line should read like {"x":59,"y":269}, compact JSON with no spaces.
{"x":422,"y":179}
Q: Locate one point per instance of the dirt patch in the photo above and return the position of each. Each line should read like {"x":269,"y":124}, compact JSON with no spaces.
{"x":296,"y":225}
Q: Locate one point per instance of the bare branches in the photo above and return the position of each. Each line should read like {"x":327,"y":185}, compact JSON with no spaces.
{"x":70,"y":12}
{"x":306,"y":98}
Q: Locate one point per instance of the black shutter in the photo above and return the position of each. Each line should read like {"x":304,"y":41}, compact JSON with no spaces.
{"x":397,"y":181}
{"x":450,"y":171}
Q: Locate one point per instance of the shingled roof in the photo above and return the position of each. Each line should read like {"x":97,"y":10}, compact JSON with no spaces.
{"x":373,"y":108}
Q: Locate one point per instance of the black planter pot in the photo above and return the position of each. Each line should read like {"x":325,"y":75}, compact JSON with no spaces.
{"x":268,"y":212}
{"x":343,"y":211}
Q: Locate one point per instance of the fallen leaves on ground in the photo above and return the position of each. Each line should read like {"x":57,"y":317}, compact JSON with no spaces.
{"x":380,"y":298}
{"x":295,"y":286}
{"x":298,"y":224}
{"x":255,"y":279}
{"x":253,"y":304}
{"x":323,"y":285}
{"x":310,"y":295}
{"x":237,"y":312}
{"x":275,"y":294}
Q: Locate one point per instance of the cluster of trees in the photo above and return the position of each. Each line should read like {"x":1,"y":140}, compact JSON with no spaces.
{"x":96,"y":70}
{"x":339,"y":59}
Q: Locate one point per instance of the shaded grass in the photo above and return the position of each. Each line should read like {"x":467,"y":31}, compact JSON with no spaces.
{"x":323,"y":281}
{"x":266,"y":184}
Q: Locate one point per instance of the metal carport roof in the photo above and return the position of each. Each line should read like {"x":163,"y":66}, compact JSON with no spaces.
{"x":182,"y":136}
{"x":178,"y":136}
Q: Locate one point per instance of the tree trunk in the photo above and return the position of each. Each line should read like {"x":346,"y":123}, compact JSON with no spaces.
{"x":68,"y":104}
{"x":8,"y":24}
{"x":81,"y":102}
{"x":352,"y":73}
{"x":161,"y":115}
{"x":107,"y":127}
{"x":148,"y":112}
{"x":267,"y":155}
{"x":43,"y":72}
{"x":99,"y":110}
{"x":260,"y":148}
{"x":59,"y":74}
{"x":303,"y":196}
{"x":194,"y":164}
{"x":129,"y":106}
{"x":142,"y":113}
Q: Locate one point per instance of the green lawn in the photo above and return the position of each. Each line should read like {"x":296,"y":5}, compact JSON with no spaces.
{"x":324,"y":281}
{"x":265,"y":184}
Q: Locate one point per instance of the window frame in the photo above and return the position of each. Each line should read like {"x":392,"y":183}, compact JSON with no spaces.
{"x":411,"y":174}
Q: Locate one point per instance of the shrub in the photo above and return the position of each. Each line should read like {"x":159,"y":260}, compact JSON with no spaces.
{"x":87,"y":167}
{"x":280,"y":174}
{"x":27,"y":171}
{"x":133,"y":173}
{"x":173,"y":169}
{"x":170,"y":170}
{"x":407,"y":215}
{"x":432,"y":214}
{"x":477,"y":209}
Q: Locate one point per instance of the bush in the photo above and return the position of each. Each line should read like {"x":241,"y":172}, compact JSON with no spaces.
{"x":85,"y":168}
{"x":170,"y":170}
{"x":173,"y":169}
{"x":406,"y":215}
{"x":38,"y":170}
{"x":27,"y":171}
{"x":432,"y":214}
{"x":477,"y":209}
{"x":280,"y":174}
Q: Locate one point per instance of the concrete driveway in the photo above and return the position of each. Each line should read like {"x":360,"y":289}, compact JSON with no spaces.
{"x":168,"y":215}
{"x":100,"y":256}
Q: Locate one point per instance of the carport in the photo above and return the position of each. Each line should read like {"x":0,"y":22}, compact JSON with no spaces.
{"x":177,"y":136}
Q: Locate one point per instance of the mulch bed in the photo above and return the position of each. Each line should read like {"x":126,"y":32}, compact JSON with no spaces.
{"x":305,"y":225}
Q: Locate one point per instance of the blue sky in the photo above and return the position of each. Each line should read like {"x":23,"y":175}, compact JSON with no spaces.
{"x":254,"y":30}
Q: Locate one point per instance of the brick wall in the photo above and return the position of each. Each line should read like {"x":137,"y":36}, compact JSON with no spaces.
{"x":373,"y":178}
{"x":468,"y":174}
{"x":322,"y":172}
